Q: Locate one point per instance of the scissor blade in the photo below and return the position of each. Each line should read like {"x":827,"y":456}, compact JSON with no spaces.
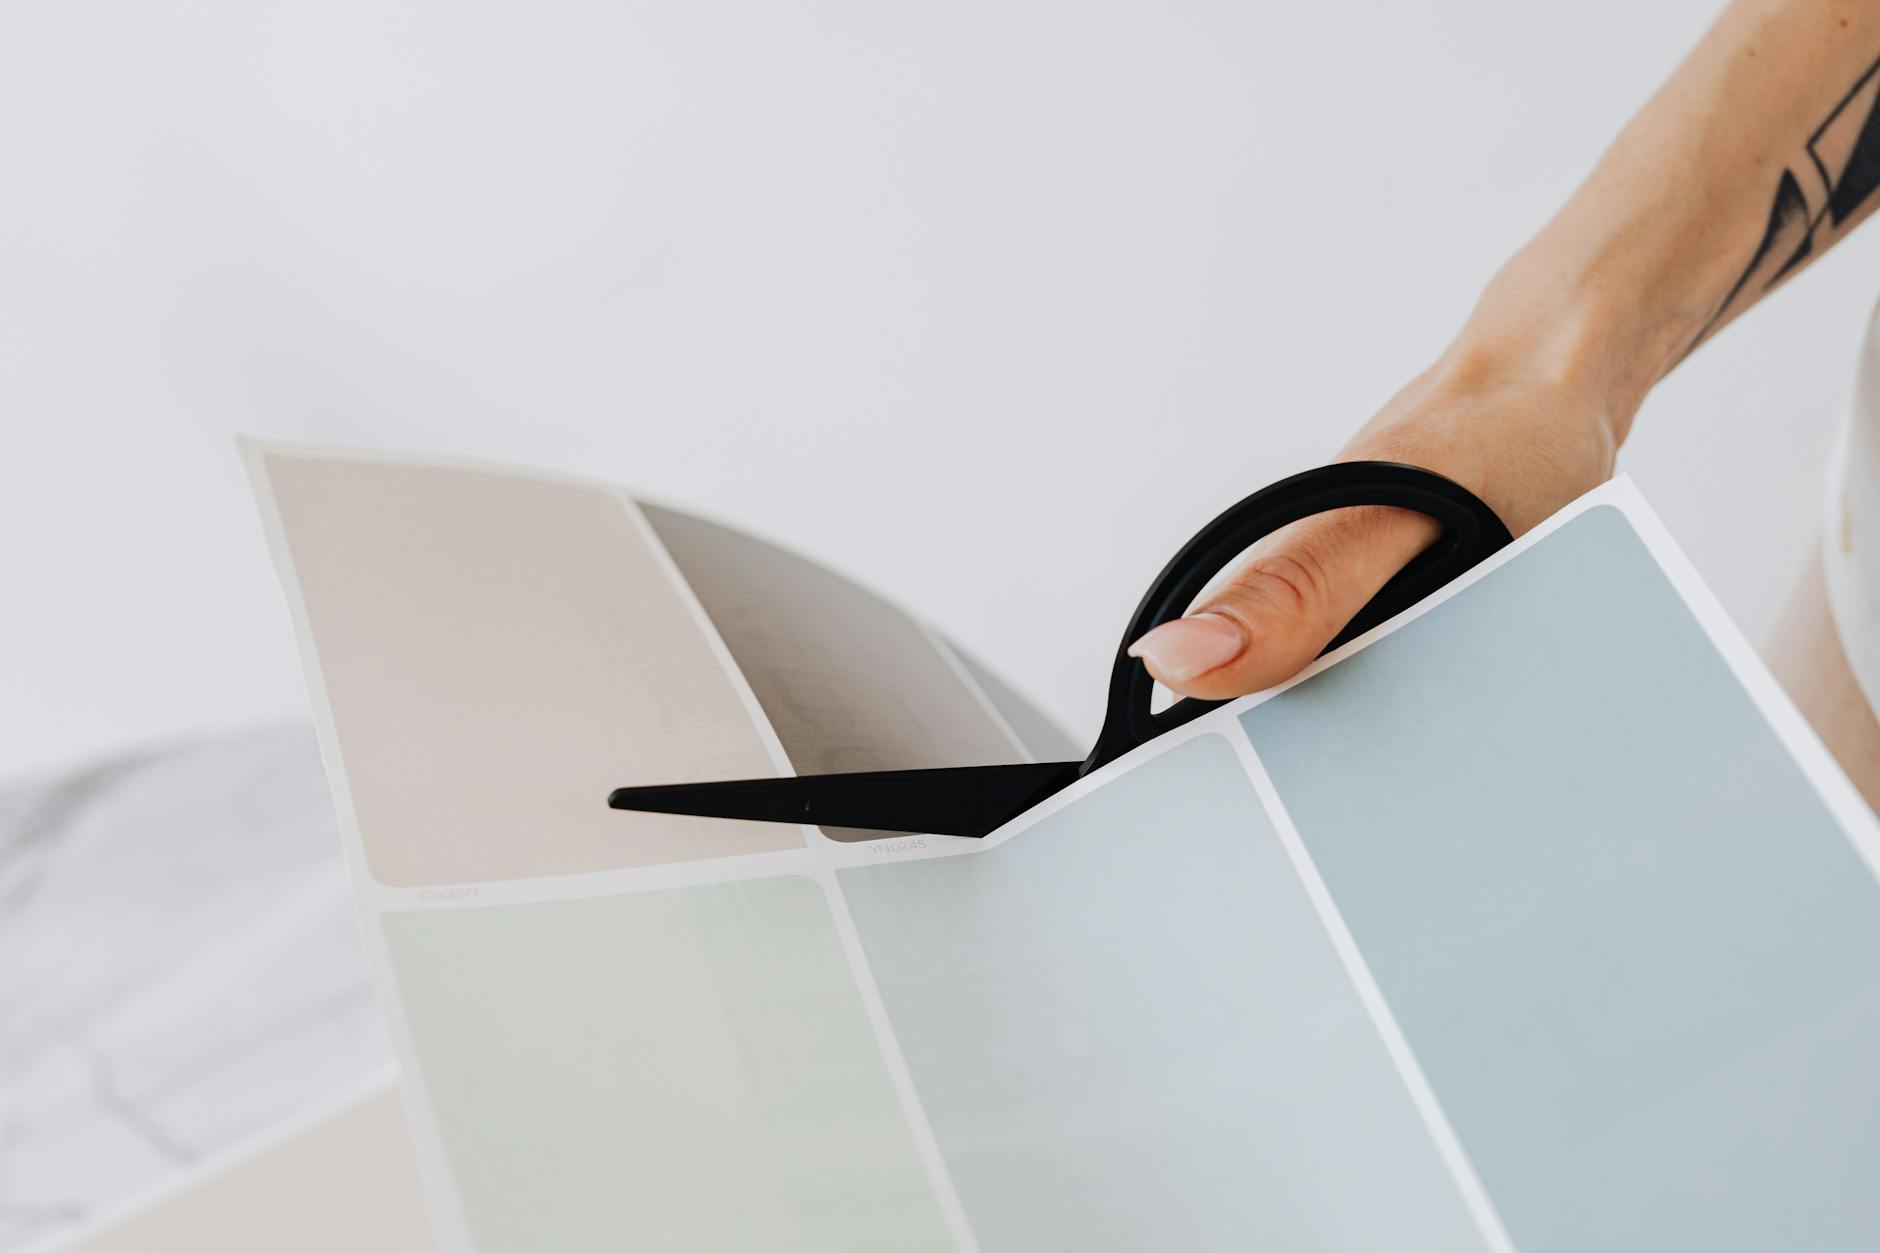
{"x":963,"y":800}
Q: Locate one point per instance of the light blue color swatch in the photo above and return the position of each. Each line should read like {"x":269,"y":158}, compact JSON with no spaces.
{"x":1636,"y":957}
{"x":1130,"y":1032}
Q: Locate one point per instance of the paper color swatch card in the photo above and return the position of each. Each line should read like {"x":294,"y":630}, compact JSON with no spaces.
{"x":1534,"y":920}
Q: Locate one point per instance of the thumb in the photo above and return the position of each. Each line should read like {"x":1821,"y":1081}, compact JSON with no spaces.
{"x":1281,"y":605}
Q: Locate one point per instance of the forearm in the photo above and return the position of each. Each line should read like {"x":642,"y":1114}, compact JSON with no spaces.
{"x":1752,"y":160}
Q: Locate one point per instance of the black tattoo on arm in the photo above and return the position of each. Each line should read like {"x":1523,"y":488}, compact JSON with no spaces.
{"x":1829,"y":183}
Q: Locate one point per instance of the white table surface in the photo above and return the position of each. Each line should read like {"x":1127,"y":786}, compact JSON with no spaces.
{"x":180,"y":972}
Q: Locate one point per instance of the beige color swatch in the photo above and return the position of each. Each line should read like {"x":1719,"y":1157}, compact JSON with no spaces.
{"x":500,"y":651}
{"x":347,"y":1183}
{"x":848,"y":681}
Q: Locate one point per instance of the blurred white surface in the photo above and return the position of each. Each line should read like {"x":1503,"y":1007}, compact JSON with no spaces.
{"x":988,"y":304}
{"x":179,"y":970}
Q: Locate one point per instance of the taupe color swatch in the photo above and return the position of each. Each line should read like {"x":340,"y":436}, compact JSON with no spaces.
{"x":1042,"y":737}
{"x":848,"y":681}
{"x":499,"y":651}
{"x":348,"y":1182}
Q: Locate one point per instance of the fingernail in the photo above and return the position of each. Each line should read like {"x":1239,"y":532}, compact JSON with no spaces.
{"x":1180,"y":650}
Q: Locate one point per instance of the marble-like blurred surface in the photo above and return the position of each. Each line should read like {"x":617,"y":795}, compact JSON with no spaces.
{"x":179,"y":969}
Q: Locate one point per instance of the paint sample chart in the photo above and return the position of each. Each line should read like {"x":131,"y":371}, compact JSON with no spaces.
{"x":1535,"y":920}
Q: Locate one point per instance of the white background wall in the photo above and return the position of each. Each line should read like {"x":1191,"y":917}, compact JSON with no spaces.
{"x":987,"y":302}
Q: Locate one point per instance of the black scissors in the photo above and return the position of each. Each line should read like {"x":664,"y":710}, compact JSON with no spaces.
{"x":975,"y":800}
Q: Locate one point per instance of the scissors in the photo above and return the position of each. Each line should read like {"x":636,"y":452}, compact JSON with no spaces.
{"x":976,"y":800}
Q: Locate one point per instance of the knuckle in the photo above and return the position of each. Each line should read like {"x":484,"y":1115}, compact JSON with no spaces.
{"x":1291,"y":582}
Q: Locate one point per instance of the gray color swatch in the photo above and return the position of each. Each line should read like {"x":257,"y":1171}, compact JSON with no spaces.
{"x":1636,"y":957}
{"x":1130,"y":1032}
{"x":848,"y":681}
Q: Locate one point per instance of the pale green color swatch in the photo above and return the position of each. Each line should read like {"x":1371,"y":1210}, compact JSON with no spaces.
{"x":688,"y":1069}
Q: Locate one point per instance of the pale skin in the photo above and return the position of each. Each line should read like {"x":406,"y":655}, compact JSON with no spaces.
{"x":1745,"y":167}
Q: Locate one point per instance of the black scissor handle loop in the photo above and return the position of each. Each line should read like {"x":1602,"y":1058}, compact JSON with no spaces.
{"x":1471,"y":531}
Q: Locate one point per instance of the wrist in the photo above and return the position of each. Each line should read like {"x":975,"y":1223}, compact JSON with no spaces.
{"x":1579,"y":330}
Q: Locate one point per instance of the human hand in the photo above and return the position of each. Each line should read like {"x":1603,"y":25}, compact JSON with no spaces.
{"x":1524,"y":436}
